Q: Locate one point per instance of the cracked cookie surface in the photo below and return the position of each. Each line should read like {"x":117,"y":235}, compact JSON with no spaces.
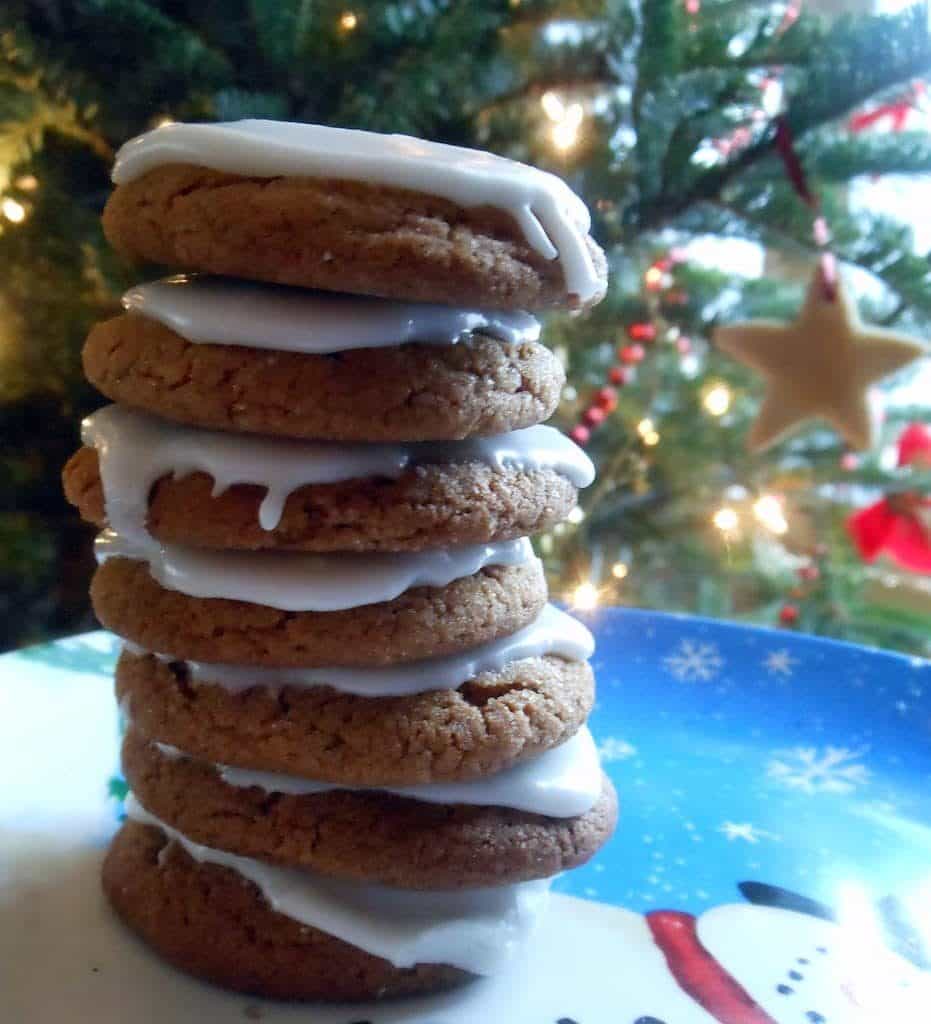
{"x":424,"y":622}
{"x":336,"y":235}
{"x":406,"y":393}
{"x":210,"y":922}
{"x":492,"y":721}
{"x":365,"y":836}
{"x":426,"y":507}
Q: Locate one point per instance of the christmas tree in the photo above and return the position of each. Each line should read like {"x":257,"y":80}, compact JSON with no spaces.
{"x":688,"y":126}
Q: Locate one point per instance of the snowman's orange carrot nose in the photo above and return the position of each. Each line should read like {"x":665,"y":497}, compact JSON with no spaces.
{"x":699,"y":974}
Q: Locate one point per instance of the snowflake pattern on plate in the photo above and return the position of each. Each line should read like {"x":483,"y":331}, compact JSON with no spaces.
{"x":780,"y":662}
{"x":744,"y":754}
{"x":694,"y":661}
{"x":832,"y":770}
{"x":615,"y":749}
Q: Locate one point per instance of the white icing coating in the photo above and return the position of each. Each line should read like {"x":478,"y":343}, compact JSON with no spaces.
{"x":135,"y":450}
{"x":212,"y":310}
{"x":295,"y":581}
{"x":474,"y":929}
{"x":553,"y":632}
{"x":560,"y":783}
{"x":553,"y":219}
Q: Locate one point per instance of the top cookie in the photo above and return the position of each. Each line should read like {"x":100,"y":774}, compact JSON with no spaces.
{"x":352,"y":211}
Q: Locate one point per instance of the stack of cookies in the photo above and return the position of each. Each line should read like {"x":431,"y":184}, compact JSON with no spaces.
{"x":356,"y":734}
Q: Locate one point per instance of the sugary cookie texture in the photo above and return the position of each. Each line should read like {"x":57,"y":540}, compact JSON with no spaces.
{"x":353,"y":211}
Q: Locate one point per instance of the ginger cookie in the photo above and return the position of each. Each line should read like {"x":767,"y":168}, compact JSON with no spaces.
{"x":371,"y":836}
{"x":486,"y":724}
{"x":210,"y":489}
{"x":422,"y":622}
{"x":207,"y":920}
{"x":354,"y":211}
{"x":405,"y":393}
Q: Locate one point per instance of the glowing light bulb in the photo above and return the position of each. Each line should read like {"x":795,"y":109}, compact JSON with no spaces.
{"x":163,"y":121}
{"x":585,"y":597}
{"x":653,"y":278}
{"x":726,"y":519}
{"x":27,"y":182}
{"x":717,"y":399}
{"x":348,"y":20}
{"x":14,"y":212}
{"x":576,"y":515}
{"x":651,"y":439}
{"x":553,"y":106}
{"x":565,"y":132}
{"x":619,"y":570}
{"x":645,"y":426}
{"x":769,"y":513}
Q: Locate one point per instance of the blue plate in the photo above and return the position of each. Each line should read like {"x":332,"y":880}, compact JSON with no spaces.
{"x":747,"y":755}
{"x":775,"y":826}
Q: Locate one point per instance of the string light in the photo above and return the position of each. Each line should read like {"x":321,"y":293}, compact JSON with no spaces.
{"x":14,"y":212}
{"x":565,"y":133}
{"x":653,"y":279}
{"x":27,"y":182}
{"x":768,"y":512}
{"x":648,"y":433}
{"x":726,"y":519}
{"x":576,"y":515}
{"x":163,"y":121}
{"x":717,"y":399}
{"x":619,"y":570}
{"x":348,"y":20}
{"x":585,"y":596}
{"x":566,"y":118}
{"x":553,"y":106}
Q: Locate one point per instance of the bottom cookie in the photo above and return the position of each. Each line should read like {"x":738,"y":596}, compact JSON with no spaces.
{"x":210,"y":922}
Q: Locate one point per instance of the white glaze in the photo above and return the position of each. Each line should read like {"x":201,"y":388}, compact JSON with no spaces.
{"x":222,"y":311}
{"x":135,"y":450}
{"x":553,"y":219}
{"x":474,"y":929}
{"x":560,"y":783}
{"x":553,"y":632}
{"x":295,"y":581}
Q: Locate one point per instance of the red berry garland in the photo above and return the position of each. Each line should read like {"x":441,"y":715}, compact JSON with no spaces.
{"x":642,"y":332}
{"x":581,"y":435}
{"x":605,"y":399}
{"x":594,"y":416}
{"x":789,"y":614}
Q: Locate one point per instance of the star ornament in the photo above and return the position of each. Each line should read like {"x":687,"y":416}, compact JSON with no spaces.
{"x":820,"y":366}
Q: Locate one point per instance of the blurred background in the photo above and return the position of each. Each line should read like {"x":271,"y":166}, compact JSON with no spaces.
{"x":663,"y":114}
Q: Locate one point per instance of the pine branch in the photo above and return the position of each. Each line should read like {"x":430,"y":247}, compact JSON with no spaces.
{"x":829,"y":90}
{"x":834,"y":156}
{"x":905,"y":274}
